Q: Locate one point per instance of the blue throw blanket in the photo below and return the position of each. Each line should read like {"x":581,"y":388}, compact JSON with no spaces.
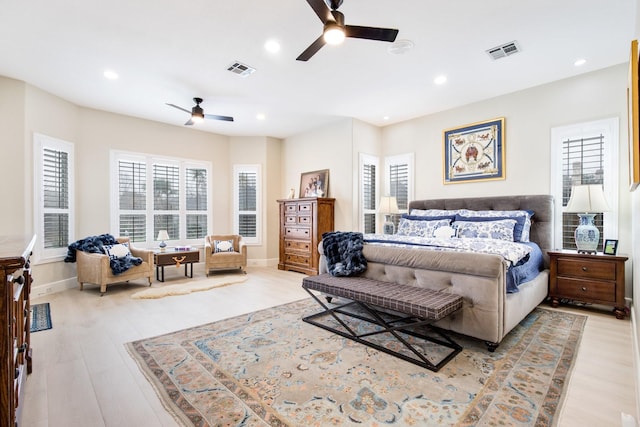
{"x":95,"y":244}
{"x":343,"y":251}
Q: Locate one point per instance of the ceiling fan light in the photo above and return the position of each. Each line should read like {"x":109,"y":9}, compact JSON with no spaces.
{"x":333,"y":33}
{"x":197,"y":117}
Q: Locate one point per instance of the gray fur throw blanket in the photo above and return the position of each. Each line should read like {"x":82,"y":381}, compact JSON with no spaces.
{"x":343,"y":251}
{"x":95,"y":244}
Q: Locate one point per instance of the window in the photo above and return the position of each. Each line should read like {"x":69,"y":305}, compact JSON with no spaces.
{"x":368,"y":192}
{"x":584,"y":154}
{"x":247,"y":202}
{"x":399,"y":181}
{"x":54,"y":195}
{"x":177,"y":204}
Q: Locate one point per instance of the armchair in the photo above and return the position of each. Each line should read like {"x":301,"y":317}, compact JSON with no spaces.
{"x":225,"y":252}
{"x":95,"y":268}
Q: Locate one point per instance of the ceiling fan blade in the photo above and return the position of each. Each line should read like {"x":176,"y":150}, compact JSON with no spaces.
{"x":179,"y":108}
{"x":371,"y":33}
{"x":215,"y":117}
{"x":311,"y":50}
{"x":189,"y":122}
{"x":321,"y":9}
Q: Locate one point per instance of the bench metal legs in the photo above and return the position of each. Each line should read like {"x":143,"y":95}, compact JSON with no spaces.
{"x":386,"y":324}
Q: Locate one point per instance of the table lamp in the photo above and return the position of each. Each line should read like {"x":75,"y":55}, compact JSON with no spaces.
{"x":388,"y":206}
{"x":162,"y":236}
{"x":586,"y":201}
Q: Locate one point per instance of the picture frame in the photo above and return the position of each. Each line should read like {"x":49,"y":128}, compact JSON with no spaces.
{"x":633,"y":116}
{"x":314,"y":183}
{"x":610,"y":247}
{"x":475,"y":152}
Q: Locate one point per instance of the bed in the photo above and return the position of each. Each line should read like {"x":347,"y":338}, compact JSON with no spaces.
{"x":492,"y":306}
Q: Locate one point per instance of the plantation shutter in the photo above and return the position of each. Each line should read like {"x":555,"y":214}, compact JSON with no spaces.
{"x":247,"y":203}
{"x":369,"y":197}
{"x":55,"y":182}
{"x":582,"y":163}
{"x":132,"y":199}
{"x":196,"y":199}
{"x":399,"y":184}
{"x":166,"y":200}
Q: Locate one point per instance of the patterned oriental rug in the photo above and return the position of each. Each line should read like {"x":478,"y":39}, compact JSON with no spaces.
{"x":269,"y":368}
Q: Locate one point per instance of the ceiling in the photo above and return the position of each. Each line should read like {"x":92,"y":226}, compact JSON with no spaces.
{"x":169,"y":52}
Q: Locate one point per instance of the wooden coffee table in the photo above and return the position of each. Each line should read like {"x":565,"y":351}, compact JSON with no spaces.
{"x":175,"y":258}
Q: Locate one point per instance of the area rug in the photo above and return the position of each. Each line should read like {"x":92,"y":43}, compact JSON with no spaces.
{"x":269,"y":368}
{"x":187,"y":287}
{"x":40,"y":317}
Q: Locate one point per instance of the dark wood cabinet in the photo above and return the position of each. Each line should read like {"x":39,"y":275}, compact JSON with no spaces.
{"x":302,"y":223}
{"x":590,"y":278}
{"x":15,"y":321}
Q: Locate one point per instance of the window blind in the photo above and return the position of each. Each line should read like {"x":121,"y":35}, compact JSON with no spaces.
{"x":55,"y":191}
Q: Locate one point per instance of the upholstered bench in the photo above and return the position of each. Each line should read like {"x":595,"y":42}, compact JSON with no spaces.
{"x":404,"y":311}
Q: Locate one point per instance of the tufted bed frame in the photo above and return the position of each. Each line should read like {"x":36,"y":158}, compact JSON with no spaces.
{"x":488,"y":312}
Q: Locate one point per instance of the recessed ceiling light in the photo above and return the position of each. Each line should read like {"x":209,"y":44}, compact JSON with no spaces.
{"x":272,"y":46}
{"x":385,"y":118}
{"x":440,"y":80}
{"x":580,"y":62}
{"x":110,"y":74}
{"x":261,"y":116}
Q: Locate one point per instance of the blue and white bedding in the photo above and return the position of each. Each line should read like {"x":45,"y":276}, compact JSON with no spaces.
{"x":524,"y":259}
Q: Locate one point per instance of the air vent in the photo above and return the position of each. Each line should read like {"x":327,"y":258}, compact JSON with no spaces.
{"x":241,"y":69}
{"x":504,"y":50}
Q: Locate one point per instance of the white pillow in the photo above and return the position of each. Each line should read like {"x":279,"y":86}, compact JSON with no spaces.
{"x":445,"y":232}
{"x":222,"y":246}
{"x":117,"y":251}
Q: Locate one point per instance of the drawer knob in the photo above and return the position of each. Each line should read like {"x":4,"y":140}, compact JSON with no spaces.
{"x":584,"y":268}
{"x":584,"y":289}
{"x":19,"y":280}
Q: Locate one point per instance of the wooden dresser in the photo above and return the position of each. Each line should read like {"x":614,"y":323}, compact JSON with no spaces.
{"x":15,"y":321}
{"x":302,"y":223}
{"x":596,"y":279}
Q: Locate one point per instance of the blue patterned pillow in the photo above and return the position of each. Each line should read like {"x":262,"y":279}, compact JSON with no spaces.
{"x":120,"y":250}
{"x":499,"y":230}
{"x":410,"y":227}
{"x":523,"y":220}
{"x":435,"y":212}
{"x":222,"y":246}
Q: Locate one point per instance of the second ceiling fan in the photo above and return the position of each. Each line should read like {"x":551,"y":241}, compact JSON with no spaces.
{"x":335,"y":30}
{"x":197,"y":113}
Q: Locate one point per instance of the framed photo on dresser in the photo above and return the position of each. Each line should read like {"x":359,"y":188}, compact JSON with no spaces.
{"x":315,"y":183}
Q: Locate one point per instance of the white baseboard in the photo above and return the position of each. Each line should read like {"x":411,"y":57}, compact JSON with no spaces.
{"x":636,"y":358}
{"x":270,"y":262}
{"x":50,"y":288}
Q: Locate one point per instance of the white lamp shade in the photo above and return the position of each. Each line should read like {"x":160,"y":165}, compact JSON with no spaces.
{"x":163,"y":235}
{"x":587,"y":198}
{"x":388,"y":205}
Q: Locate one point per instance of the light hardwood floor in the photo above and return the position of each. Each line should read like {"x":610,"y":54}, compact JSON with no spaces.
{"x":84,"y":377}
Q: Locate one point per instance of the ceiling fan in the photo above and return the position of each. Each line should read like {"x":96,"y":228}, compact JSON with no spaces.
{"x":335,"y":31}
{"x":197,"y":113}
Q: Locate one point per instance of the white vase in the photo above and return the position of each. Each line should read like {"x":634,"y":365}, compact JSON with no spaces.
{"x":587,"y":234}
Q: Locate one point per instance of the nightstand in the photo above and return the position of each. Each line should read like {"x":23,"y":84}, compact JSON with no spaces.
{"x":590,"y":278}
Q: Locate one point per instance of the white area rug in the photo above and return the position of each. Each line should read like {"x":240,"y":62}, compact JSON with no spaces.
{"x":188,"y":287}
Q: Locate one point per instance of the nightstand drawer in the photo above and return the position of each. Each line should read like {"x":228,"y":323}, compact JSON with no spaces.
{"x":587,"y":290}
{"x":587,"y":269}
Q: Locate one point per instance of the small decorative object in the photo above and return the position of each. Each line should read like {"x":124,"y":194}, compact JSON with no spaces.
{"x":610,"y":247}
{"x":292,"y":193}
{"x":162,"y":236}
{"x":388,"y":206}
{"x":586,"y":201}
{"x":315,"y":184}
{"x":474,"y":152}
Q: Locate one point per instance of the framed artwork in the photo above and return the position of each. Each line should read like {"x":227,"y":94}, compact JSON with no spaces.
{"x":474,"y":152}
{"x":633,"y":115}
{"x":610,"y":247}
{"x":314,"y":184}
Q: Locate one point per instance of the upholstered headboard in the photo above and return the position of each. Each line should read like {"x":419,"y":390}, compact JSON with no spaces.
{"x":541,"y":205}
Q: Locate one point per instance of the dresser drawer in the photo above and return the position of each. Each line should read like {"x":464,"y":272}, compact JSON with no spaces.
{"x":305,"y":208}
{"x":291,"y":219}
{"x":586,"y":290}
{"x":297,"y":232}
{"x":590,"y":269}
{"x":298,"y":259}
{"x":296,"y":245}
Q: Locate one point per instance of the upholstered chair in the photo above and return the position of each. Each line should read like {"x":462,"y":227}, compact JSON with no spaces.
{"x":95,"y":268}
{"x":225,"y":252}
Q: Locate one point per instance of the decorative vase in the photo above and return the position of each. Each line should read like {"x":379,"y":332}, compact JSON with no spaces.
{"x":163,"y":246}
{"x":388,"y":227}
{"x":587,"y":234}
